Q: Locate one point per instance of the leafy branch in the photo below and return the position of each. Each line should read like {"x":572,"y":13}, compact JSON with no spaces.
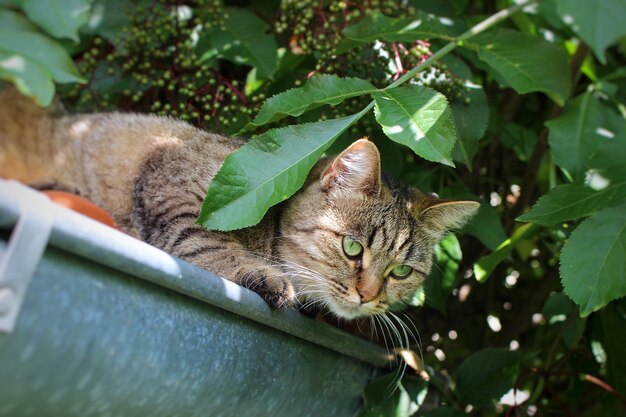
{"x":233,"y":184}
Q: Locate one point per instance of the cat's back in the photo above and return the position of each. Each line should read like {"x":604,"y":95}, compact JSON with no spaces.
{"x":104,"y":155}
{"x":121,"y":150}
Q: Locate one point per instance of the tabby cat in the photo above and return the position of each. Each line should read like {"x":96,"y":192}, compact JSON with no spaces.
{"x":352,"y":240}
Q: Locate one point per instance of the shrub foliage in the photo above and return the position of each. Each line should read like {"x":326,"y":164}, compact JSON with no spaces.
{"x":520,"y":106}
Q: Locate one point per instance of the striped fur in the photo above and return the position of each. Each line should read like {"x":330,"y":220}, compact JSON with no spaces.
{"x":151,"y":174}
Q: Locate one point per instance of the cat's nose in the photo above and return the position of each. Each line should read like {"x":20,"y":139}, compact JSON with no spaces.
{"x":368,"y":290}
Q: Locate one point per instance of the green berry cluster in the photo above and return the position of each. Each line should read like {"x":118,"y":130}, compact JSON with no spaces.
{"x":383,"y":62}
{"x":153,"y":66}
{"x":387,"y":61}
{"x":314,"y":27}
{"x":437,"y":76}
{"x":440,"y":78}
{"x":365,"y":62}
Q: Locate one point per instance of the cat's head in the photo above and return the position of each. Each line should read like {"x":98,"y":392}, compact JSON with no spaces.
{"x":361,"y":240}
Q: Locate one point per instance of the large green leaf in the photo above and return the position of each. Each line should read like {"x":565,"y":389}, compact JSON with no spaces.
{"x":527,"y":63}
{"x":246,"y":40}
{"x":599,"y":23}
{"x":610,"y":150}
{"x":265,"y":171}
{"x":471,"y":117}
{"x":571,"y":201}
{"x":11,"y":20}
{"x":418,"y":117}
{"x":29,"y":77}
{"x":389,"y":397}
{"x":377,"y":26}
{"x":60,"y":18}
{"x":317,"y":91}
{"x":584,"y":127}
{"x":593,"y":260}
{"x":487,"y":375}
{"x":41,"y":50}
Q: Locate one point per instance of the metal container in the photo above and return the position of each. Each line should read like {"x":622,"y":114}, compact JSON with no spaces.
{"x":96,"y":323}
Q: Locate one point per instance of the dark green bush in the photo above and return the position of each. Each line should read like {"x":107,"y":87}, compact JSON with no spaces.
{"x":521,"y":108}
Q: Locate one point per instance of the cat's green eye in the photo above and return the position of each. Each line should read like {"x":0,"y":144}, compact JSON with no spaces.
{"x":401,"y":271}
{"x":351,"y":247}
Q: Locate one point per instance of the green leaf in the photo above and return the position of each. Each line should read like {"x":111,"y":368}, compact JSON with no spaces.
{"x":557,"y":307}
{"x":29,"y":77}
{"x":610,"y":149}
{"x":26,"y":62}
{"x":593,"y":260}
{"x":245,"y":41}
{"x":486,"y":227}
{"x":572,"y":201}
{"x":389,"y":397}
{"x":470,"y":119}
{"x":108,"y":18}
{"x":377,"y":26}
{"x":487,"y":375}
{"x":418,"y":117}
{"x":458,"y":67}
{"x":619,"y":73}
{"x":485,"y":265}
{"x":573,"y":330}
{"x":41,"y":50}
{"x":547,"y":10}
{"x":10,"y":20}
{"x":440,"y":283}
{"x":558,"y":310}
{"x":316,"y":92}
{"x":583,"y":128}
{"x":265,"y":171}
{"x":599,"y":23}
{"x":60,"y":18}
{"x":544,"y":70}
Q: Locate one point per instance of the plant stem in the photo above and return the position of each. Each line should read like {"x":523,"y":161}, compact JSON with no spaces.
{"x":473,"y":31}
{"x":608,"y":388}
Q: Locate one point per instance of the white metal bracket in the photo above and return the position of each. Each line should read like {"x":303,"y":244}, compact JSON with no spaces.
{"x":20,"y":257}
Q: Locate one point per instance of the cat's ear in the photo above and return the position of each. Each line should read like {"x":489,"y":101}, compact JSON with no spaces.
{"x":441,"y":215}
{"x":355,"y":169}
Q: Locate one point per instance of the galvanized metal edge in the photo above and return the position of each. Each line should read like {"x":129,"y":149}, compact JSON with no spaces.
{"x":89,"y":239}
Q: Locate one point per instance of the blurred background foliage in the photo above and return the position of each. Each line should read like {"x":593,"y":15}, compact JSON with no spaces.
{"x":522,"y":315}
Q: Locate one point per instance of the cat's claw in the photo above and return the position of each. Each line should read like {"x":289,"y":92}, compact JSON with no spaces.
{"x":280,"y":300}
{"x":276,"y":291}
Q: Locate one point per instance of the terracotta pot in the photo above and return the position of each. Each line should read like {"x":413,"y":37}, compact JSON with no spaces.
{"x":81,"y":205}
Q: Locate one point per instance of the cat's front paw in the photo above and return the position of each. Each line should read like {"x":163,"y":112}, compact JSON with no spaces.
{"x":275,"y":289}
